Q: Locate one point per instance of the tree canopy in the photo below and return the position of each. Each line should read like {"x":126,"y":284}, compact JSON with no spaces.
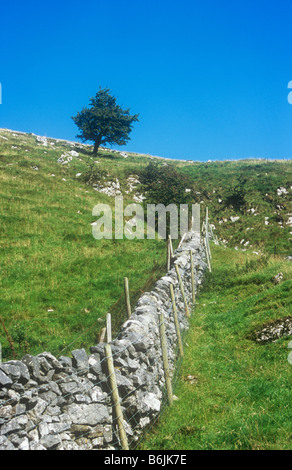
{"x":104,"y":122}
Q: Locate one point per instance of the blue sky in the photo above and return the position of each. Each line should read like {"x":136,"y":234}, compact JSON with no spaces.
{"x":209,"y":79}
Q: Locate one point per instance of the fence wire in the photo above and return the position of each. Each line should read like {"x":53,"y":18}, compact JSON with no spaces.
{"x":137,"y":421}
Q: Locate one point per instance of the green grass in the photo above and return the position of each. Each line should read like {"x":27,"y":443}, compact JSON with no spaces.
{"x":240,"y":395}
{"x":214,"y":181}
{"x":58,"y":282}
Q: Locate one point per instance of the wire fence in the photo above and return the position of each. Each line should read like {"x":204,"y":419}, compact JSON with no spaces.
{"x":124,"y":417}
{"x":131,"y":421}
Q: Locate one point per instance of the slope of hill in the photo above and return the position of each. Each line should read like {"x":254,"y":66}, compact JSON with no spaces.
{"x":234,"y":385}
{"x":250,"y":202}
{"x":58,"y":282}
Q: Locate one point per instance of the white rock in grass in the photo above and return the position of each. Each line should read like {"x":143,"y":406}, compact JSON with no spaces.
{"x":281,"y":191}
{"x":42,"y":140}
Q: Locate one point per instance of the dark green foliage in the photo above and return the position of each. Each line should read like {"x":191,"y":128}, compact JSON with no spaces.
{"x":94,"y":175}
{"x":105,"y":122}
{"x":236,"y":195}
{"x":165,"y":185}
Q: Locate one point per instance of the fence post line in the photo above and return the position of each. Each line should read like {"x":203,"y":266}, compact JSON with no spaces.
{"x":193,"y":278}
{"x":102,"y":335}
{"x":182,"y":290}
{"x":116,"y":398}
{"x":108,"y":327}
{"x":176,"y":322}
{"x":208,"y":244}
{"x":207,"y":255}
{"x":165,"y":358}
{"x":207,"y":232}
{"x":207,"y":219}
{"x":212,"y":233}
{"x":168,"y":256}
{"x":181,"y":240}
{"x":170,"y":244}
{"x":127,"y":295}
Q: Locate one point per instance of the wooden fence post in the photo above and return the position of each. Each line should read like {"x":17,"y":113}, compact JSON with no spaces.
{"x":116,"y":398}
{"x":102,"y":335}
{"x":168,"y":256}
{"x":182,"y":291}
{"x":208,"y":245}
{"x":207,"y":255}
{"x":181,"y":240}
{"x":108,"y":327}
{"x":165,"y":358}
{"x":176,"y":322}
{"x":171,"y":247}
{"x":207,"y":219}
{"x":127,"y":295}
{"x":193,"y":278}
{"x":207,"y":233}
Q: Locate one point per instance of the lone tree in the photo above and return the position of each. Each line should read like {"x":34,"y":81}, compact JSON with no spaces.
{"x":105,"y":121}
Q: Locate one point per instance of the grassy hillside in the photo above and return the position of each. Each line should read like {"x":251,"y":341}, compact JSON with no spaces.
{"x":57,"y":281}
{"x":258,"y":193}
{"x":233,"y":392}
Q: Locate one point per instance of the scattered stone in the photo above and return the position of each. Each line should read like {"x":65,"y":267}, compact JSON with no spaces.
{"x":273,"y":331}
{"x":111,"y":188}
{"x":42,"y":140}
{"x":281,"y":191}
{"x":278,"y":278}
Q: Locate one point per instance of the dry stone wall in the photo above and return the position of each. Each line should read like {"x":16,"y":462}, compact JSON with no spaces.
{"x":65,"y":403}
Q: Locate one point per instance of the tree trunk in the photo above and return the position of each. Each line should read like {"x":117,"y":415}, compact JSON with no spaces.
{"x":96,"y":145}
